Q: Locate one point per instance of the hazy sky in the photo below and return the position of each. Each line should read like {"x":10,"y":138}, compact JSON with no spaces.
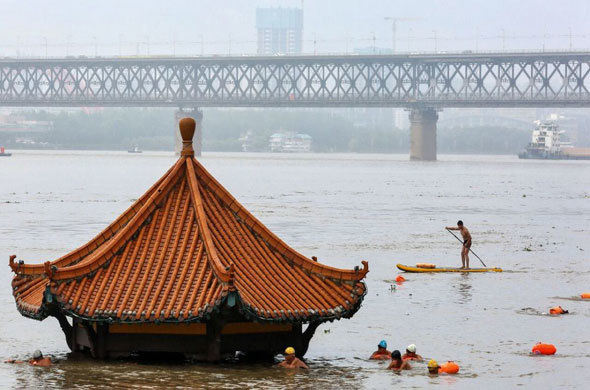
{"x":75,"y":27}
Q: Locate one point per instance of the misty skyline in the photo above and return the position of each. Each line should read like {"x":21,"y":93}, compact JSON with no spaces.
{"x":39,"y":28}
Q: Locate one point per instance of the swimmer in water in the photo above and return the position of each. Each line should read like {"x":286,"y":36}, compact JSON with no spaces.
{"x":37,"y":360}
{"x":558,"y":310}
{"x":291,"y":361}
{"x":381,"y":353}
{"x":466,"y":242}
{"x":411,"y":354}
{"x":397,"y":363}
{"x":433,"y":367}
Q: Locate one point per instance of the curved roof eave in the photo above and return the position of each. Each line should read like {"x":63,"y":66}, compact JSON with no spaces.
{"x":38,"y":269}
{"x":273,"y":240}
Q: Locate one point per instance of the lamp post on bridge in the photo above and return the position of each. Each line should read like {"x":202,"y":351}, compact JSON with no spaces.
{"x":435,"y":37}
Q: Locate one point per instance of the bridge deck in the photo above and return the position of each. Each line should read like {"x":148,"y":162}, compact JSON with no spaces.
{"x":437,"y":80}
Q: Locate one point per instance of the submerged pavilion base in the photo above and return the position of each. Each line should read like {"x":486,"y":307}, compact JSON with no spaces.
{"x":210,"y":341}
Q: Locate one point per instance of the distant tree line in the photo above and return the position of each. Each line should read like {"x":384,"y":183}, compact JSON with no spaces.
{"x":153,"y":129}
{"x":108,"y":129}
{"x":330,"y":132}
{"x":483,"y":140}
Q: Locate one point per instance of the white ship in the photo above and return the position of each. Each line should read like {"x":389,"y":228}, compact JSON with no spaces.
{"x":135,"y":149}
{"x":546,"y":144}
{"x":290,"y":143}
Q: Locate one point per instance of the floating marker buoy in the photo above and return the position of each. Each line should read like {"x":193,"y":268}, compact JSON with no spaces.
{"x":585,"y":295}
{"x":400,"y":279}
{"x":449,"y":367}
{"x":544,"y":349}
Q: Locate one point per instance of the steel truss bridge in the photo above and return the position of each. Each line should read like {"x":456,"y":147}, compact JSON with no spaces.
{"x":460,"y":80}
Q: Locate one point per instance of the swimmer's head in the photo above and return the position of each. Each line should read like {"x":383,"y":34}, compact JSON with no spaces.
{"x":289,"y":354}
{"x":433,"y":366}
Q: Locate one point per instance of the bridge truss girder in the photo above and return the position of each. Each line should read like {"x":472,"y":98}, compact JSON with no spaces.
{"x":532,"y":80}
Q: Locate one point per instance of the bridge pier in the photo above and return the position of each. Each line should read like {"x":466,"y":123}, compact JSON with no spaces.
{"x":423,"y":133}
{"x":197,"y":115}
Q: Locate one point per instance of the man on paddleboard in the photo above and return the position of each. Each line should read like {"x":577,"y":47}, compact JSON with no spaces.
{"x":466,"y":242}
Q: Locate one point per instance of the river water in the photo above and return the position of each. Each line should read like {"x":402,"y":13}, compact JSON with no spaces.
{"x":531,"y":218}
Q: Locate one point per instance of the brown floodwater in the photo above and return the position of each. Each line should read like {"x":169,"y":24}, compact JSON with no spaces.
{"x":531,"y":218}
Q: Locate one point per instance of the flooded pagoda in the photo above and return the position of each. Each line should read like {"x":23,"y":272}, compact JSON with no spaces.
{"x":187,"y":269}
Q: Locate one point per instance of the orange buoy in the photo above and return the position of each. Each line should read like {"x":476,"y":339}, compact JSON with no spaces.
{"x":449,"y":367}
{"x":400,"y":279}
{"x":544,"y":349}
{"x":585,"y":295}
{"x":557,"y":310}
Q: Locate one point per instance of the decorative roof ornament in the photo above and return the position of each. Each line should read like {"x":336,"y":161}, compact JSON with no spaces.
{"x":187,"y":131}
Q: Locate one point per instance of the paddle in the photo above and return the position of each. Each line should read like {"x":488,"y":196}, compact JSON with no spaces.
{"x":484,"y":264}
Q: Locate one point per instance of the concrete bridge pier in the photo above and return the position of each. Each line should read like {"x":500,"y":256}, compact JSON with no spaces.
{"x":423,"y":133}
{"x":197,"y":115}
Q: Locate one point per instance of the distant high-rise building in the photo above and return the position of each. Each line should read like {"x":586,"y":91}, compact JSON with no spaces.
{"x":280,"y":30}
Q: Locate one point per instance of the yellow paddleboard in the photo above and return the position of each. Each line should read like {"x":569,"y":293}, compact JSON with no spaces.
{"x":407,"y":268}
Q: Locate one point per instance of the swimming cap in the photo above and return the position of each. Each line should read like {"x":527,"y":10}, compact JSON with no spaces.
{"x":411,"y":348}
{"x":432,"y":363}
{"x":289,"y":351}
{"x":396,"y":355}
{"x":37,"y":354}
{"x":382,"y":344}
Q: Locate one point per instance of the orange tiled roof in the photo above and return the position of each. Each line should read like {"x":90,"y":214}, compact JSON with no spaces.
{"x":177,"y":254}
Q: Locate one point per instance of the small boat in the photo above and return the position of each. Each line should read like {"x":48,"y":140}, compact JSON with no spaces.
{"x":409,"y":268}
{"x":3,"y":153}
{"x":136,"y":149}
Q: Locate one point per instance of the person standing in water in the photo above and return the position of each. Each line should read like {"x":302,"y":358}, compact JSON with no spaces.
{"x":291,"y":361}
{"x":411,"y":353}
{"x":397,"y":363}
{"x":466,"y":242}
{"x":381,"y":353}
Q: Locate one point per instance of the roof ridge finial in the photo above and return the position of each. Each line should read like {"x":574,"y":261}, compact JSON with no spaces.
{"x":187,"y":130}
